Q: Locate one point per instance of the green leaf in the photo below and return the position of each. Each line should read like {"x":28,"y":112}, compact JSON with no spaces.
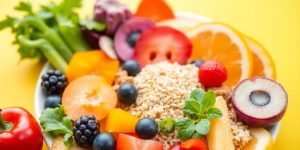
{"x":197,"y":94}
{"x":209,"y":99}
{"x":214,"y":113}
{"x":202,"y":127}
{"x":92,"y":25}
{"x":55,"y":122}
{"x":185,"y":128}
{"x":24,"y":6}
{"x":192,"y":107}
{"x":8,"y":22}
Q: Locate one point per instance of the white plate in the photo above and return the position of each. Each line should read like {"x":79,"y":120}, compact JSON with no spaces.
{"x":40,"y":97}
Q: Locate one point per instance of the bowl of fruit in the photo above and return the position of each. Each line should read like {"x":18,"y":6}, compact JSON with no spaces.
{"x":154,"y":79}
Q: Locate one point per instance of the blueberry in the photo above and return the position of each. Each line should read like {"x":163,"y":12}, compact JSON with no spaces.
{"x":53,"y":101}
{"x":132,"y":67}
{"x":146,"y":128}
{"x":104,"y":141}
{"x":127,"y":94}
{"x":198,"y":63}
{"x":132,"y":38}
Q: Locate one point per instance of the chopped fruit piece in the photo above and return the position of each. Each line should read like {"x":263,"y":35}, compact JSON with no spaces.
{"x":162,"y":44}
{"x":84,"y":130}
{"x":220,"y":128}
{"x":127,"y":142}
{"x":120,"y":121}
{"x":132,"y":67}
{"x":89,"y":95}
{"x":107,"y":46}
{"x":194,"y":144}
{"x":127,"y":93}
{"x":146,"y":128}
{"x":181,"y":24}
{"x":264,"y":65}
{"x":167,"y":125}
{"x":104,"y":141}
{"x":156,"y":10}
{"x":212,"y":74}
{"x":128,"y":34}
{"x":92,"y":63}
{"x":175,"y":147}
{"x":259,"y":101}
{"x":262,"y":140}
{"x":216,"y":41}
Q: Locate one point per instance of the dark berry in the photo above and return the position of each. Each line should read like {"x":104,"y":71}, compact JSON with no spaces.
{"x":53,"y":101}
{"x":127,"y":93}
{"x":197,"y":63}
{"x":132,"y":67}
{"x":53,"y":82}
{"x":83,"y":133}
{"x":104,"y":141}
{"x":132,"y":38}
{"x":146,"y":128}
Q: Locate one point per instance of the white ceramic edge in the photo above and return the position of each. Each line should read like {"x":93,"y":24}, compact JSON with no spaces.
{"x":39,"y":96}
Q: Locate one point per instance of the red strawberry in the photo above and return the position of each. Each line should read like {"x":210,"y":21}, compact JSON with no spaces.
{"x":162,"y":44}
{"x":212,"y":74}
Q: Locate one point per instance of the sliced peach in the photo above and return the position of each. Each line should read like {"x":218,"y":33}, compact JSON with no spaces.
{"x":120,"y":121}
{"x":92,"y":63}
{"x":89,"y":95}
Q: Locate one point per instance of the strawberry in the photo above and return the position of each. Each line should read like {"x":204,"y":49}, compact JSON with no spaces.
{"x":212,"y":74}
{"x":162,"y":44}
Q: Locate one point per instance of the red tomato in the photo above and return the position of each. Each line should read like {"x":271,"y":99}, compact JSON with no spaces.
{"x":127,"y":142}
{"x":162,"y":44}
{"x":155,"y":10}
{"x":194,"y":144}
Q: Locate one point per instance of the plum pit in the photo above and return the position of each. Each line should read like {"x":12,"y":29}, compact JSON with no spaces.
{"x":260,"y":98}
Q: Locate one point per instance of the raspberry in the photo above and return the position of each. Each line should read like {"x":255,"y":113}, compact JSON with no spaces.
{"x":85,"y":129}
{"x":212,"y":74}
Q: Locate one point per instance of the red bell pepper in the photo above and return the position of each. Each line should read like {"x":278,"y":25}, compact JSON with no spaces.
{"x":19,"y":130}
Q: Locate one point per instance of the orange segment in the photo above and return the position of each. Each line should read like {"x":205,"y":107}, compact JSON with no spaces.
{"x":92,"y":63}
{"x":262,"y":60}
{"x":216,"y":41}
{"x":89,"y":95}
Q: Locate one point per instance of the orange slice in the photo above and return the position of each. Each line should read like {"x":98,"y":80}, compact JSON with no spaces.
{"x":181,"y":24}
{"x":220,"y":42}
{"x":262,"y":60}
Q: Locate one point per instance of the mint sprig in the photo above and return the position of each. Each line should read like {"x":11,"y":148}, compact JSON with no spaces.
{"x":199,"y":109}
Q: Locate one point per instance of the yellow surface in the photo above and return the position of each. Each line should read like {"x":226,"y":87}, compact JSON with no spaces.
{"x":275,"y":23}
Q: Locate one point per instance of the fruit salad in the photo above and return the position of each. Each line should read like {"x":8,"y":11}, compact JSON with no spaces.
{"x":148,"y":80}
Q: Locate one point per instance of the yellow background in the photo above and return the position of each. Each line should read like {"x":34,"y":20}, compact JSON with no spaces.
{"x":275,"y":23}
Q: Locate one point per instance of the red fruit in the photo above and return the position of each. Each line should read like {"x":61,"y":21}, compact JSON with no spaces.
{"x":175,"y":147}
{"x":127,"y":142}
{"x":212,"y":74}
{"x":156,"y":10}
{"x":162,"y":44}
{"x":194,"y":144}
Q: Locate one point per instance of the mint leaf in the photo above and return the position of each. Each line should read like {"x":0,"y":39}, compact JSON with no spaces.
{"x":8,"y":22}
{"x":209,"y":99}
{"x":192,"y":107}
{"x":185,"y":128}
{"x":214,"y":113}
{"x":55,"y":122}
{"x":202,"y":127}
{"x":92,"y":25}
{"x":197,"y":95}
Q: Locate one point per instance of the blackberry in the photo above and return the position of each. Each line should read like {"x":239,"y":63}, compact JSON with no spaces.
{"x":85,"y":129}
{"x":53,"y":82}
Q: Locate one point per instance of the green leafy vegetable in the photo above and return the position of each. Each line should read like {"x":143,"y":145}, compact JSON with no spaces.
{"x":92,"y":25}
{"x":55,"y":122}
{"x":199,"y":108}
{"x":167,"y":125}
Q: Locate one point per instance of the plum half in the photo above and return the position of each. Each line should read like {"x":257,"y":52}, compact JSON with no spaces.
{"x":259,"y":101}
{"x":127,"y":35}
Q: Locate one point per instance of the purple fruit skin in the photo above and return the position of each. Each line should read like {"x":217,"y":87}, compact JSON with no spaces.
{"x":92,"y":37}
{"x":123,"y":49}
{"x":111,"y":12}
{"x":258,"y":122}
